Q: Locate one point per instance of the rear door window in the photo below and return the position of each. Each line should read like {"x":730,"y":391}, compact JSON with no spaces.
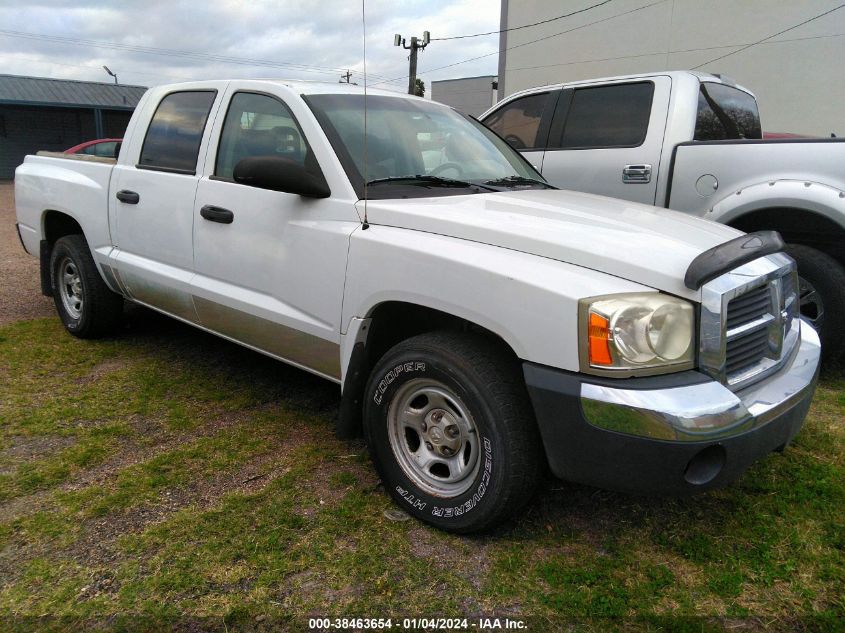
{"x":603,"y":116}
{"x":519,"y":122}
{"x":726,"y":113}
{"x":173,"y":138}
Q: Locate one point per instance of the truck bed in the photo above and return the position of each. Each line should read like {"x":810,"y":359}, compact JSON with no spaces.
{"x":73,"y":184}
{"x":740,"y":165}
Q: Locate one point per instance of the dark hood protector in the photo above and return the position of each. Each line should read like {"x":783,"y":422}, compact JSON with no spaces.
{"x":724,"y":257}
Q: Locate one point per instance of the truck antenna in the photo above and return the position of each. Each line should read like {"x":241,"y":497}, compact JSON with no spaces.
{"x":366,"y":224}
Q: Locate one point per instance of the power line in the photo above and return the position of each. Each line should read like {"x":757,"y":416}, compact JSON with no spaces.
{"x":816,"y":17}
{"x":540,"y":39}
{"x":41,"y":60}
{"x":152,"y":50}
{"x":524,"y":26}
{"x":684,"y":50}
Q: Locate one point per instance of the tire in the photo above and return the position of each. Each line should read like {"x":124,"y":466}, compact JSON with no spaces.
{"x":822,"y":289}
{"x":86,"y":306}
{"x":468,"y":411}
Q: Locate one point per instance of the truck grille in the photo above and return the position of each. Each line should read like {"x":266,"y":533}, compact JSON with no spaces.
{"x":748,"y":307}
{"x":749,"y":323}
{"x":747,"y":331}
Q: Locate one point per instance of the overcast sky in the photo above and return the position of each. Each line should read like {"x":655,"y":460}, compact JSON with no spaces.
{"x":308,"y":40}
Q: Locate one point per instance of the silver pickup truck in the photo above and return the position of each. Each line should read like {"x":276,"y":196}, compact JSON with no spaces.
{"x":693,"y":142}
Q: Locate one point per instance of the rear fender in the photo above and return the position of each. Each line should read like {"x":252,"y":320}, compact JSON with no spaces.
{"x":826,"y":201}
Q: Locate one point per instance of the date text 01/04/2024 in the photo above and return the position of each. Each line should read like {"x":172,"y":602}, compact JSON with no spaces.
{"x":459,"y":624}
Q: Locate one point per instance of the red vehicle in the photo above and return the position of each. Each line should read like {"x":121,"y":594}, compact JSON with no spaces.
{"x":768,"y":135}
{"x":105,"y":147}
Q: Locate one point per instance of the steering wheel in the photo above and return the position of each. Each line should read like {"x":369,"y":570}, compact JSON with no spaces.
{"x":287,"y":138}
{"x":446,"y":166}
{"x":514,"y":141}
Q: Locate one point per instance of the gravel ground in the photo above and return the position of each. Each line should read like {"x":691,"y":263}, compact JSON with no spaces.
{"x":20,"y":296}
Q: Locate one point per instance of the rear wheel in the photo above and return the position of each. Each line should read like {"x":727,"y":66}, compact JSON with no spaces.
{"x":821,"y":288}
{"x":451,"y":430}
{"x":87,"y":307}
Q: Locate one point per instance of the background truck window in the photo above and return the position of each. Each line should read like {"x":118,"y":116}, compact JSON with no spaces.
{"x":173,"y":138}
{"x":726,"y":113}
{"x":258,"y":125}
{"x":518,"y":122}
{"x":606,"y":116}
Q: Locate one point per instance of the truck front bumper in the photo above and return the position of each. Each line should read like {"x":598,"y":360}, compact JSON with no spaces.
{"x":670,"y":434}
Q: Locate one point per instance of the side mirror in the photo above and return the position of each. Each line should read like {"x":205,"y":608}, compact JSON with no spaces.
{"x":281,"y":174}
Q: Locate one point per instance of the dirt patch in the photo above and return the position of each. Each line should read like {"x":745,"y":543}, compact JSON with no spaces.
{"x":103,"y":369}
{"x":151,"y":439}
{"x":97,"y":547}
{"x":313,"y":585}
{"x":22,"y":298}
{"x":97,"y":544}
{"x":25,"y":448}
{"x":469,"y":561}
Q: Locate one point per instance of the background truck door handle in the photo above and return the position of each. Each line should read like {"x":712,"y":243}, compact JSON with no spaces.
{"x":217,"y":214}
{"x":129,"y":197}
{"x":636,"y":173}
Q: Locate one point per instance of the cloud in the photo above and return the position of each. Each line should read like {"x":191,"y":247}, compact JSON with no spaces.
{"x":308,"y":40}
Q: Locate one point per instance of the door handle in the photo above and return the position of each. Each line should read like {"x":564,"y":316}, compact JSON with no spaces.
{"x":636,"y":174}
{"x":129,"y":197}
{"x":217,"y":214}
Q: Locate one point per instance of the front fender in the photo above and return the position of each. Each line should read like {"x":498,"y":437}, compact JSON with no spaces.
{"x":530,"y":302}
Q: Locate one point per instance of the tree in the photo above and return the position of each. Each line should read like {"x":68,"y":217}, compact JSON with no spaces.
{"x":419,"y":87}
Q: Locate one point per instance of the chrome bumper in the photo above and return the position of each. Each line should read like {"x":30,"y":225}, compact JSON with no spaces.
{"x":707,"y":410}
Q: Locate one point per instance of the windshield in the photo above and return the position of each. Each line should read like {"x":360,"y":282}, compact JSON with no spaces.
{"x":414,"y":148}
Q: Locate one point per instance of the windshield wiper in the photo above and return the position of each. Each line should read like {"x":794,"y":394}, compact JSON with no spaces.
{"x":437,"y":181}
{"x":518,"y":180}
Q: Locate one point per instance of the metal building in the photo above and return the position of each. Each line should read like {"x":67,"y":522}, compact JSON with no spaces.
{"x":38,"y":113}
{"x":470,"y":95}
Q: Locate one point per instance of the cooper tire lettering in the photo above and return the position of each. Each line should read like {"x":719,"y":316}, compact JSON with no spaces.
{"x":444,"y":409}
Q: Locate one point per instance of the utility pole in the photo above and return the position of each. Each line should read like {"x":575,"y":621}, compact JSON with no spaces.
{"x":344,"y":79}
{"x":417,"y":44}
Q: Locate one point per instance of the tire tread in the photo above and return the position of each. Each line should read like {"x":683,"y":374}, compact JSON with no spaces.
{"x":105,"y":308}
{"x":500,"y":375}
{"x":823,"y":270}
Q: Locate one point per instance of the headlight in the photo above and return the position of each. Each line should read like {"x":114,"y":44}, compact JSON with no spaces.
{"x":636,"y":334}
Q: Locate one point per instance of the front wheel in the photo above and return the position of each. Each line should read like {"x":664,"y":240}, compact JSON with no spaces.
{"x":451,"y":430}
{"x":821,"y":287}
{"x":87,"y":307}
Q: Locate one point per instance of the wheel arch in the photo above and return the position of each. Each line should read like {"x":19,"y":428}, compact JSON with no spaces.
{"x":57,"y":224}
{"x":388,"y":323}
{"x":803,"y":212}
{"x":54,"y":226}
{"x":797,"y":226}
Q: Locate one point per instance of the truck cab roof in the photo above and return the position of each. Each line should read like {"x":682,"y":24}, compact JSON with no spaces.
{"x":300,"y":86}
{"x":679,"y":76}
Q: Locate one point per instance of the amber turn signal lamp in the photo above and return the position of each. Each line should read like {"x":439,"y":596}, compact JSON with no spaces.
{"x":599,"y":337}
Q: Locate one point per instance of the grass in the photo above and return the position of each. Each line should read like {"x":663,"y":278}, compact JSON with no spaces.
{"x":168,"y":477}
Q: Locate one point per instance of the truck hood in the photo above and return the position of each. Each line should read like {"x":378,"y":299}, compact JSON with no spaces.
{"x":643,"y":244}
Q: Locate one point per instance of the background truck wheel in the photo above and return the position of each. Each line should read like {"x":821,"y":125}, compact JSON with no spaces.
{"x":451,"y":430}
{"x":821,"y":282}
{"x":85,"y":304}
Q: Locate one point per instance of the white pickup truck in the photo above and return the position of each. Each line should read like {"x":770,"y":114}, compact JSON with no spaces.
{"x":480,"y":326}
{"x":693,"y":142}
